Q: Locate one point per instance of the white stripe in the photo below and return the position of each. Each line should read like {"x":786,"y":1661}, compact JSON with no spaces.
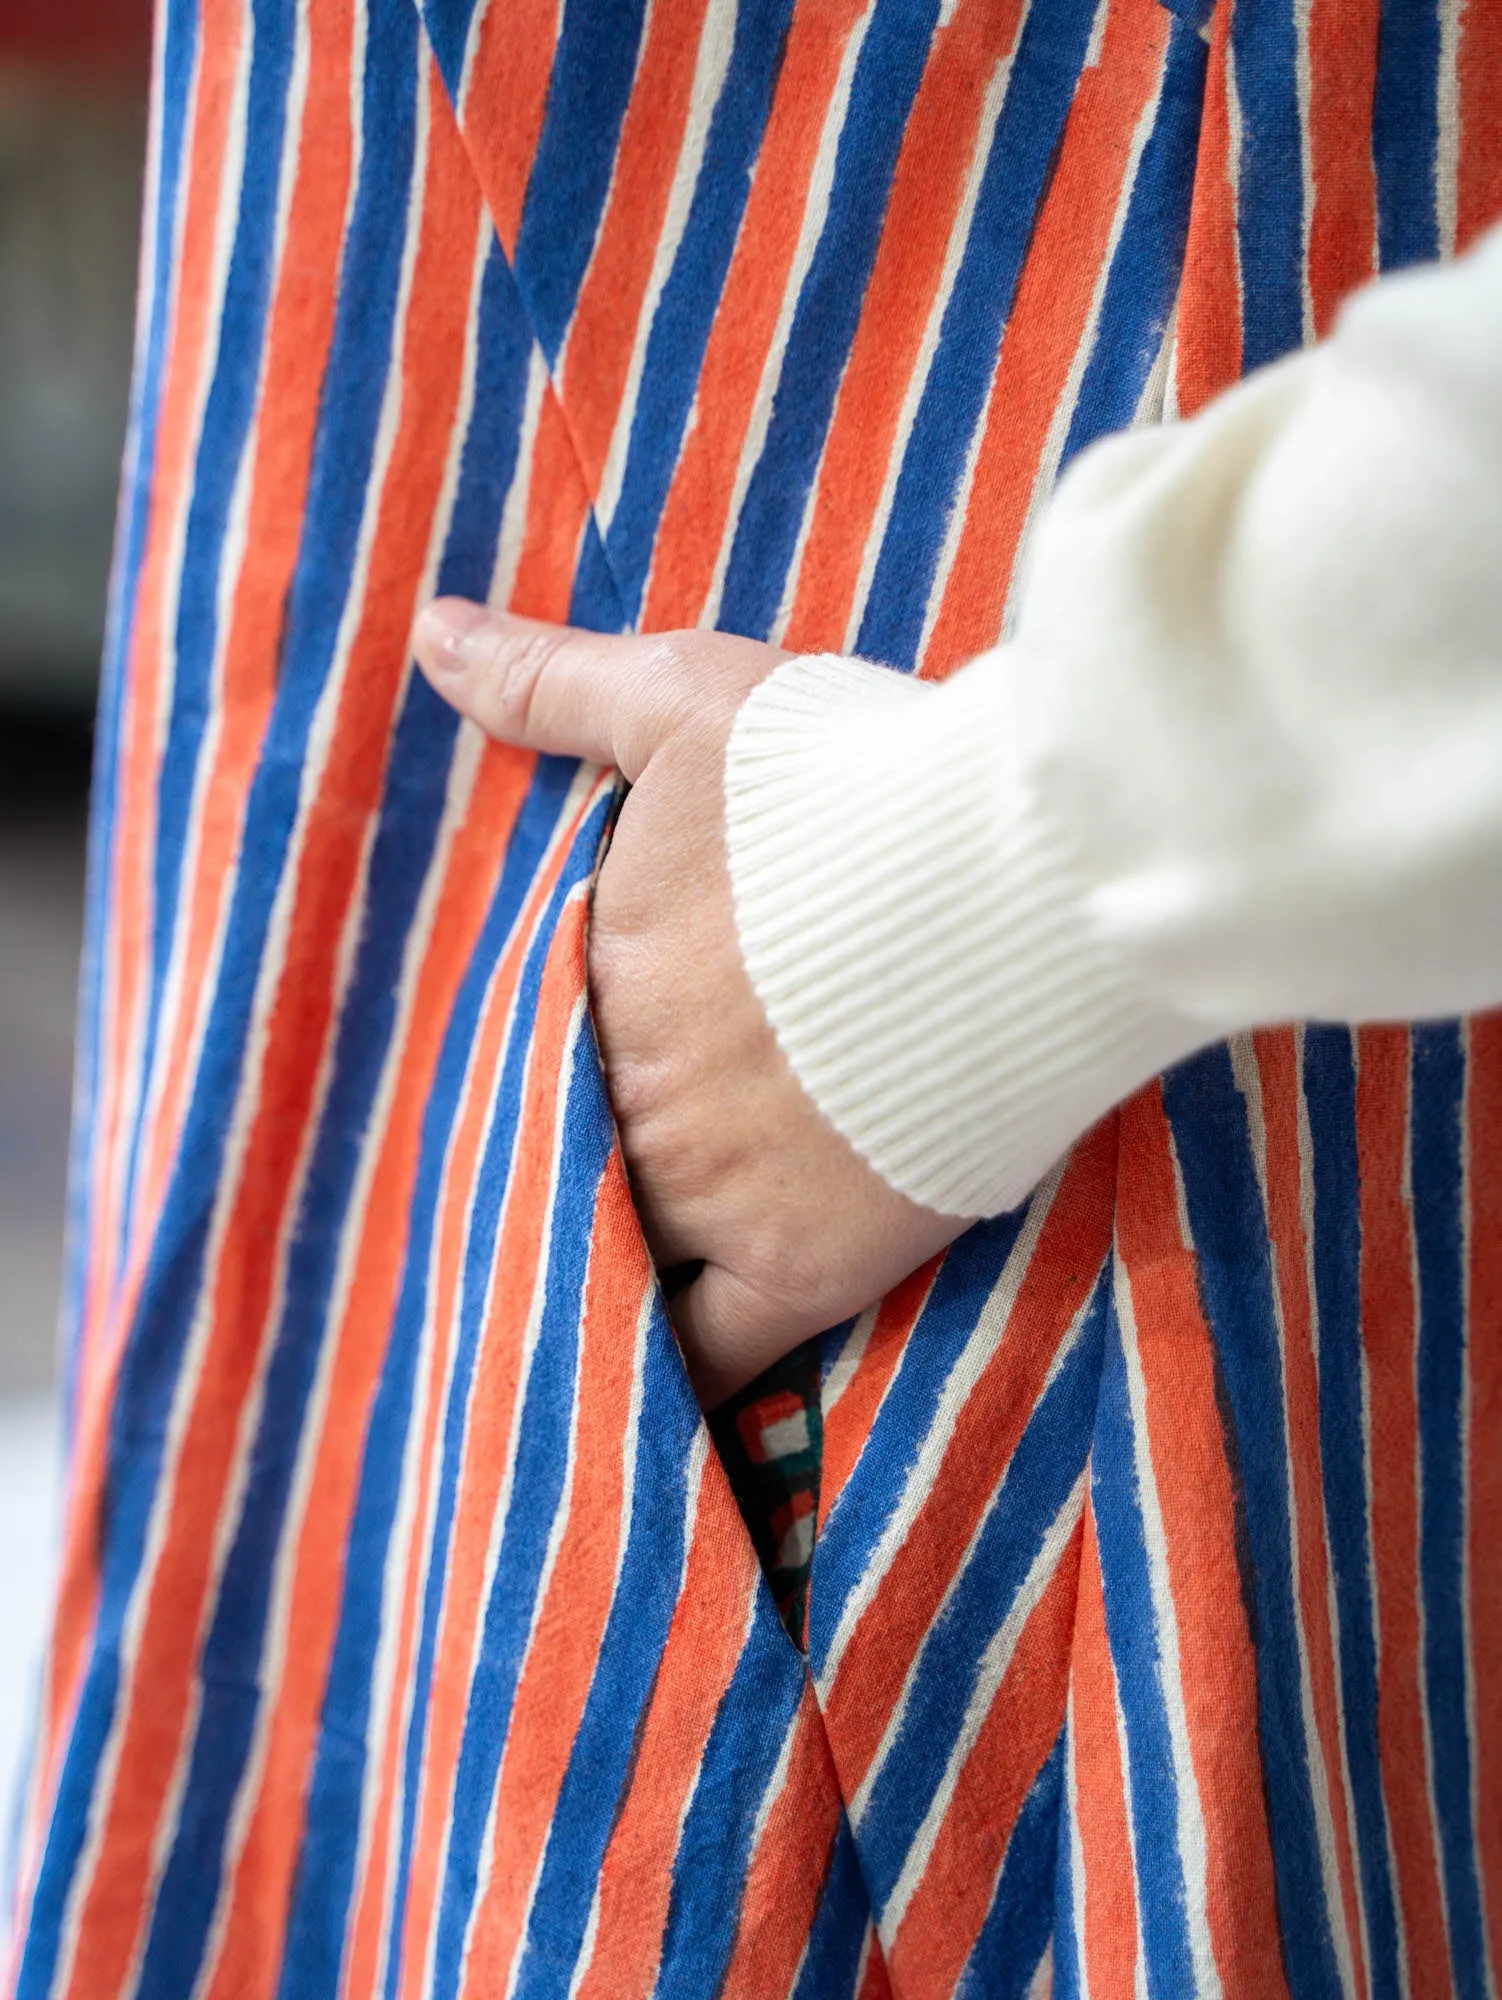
{"x":715,"y":42}
{"x":1192,"y":1842}
{"x":815,"y":214}
{"x":994,"y":1666}
{"x":861,"y":1799}
{"x":989,"y":1330}
{"x":1303,"y":89}
{"x":954,"y":254}
{"x":513,"y":529}
{"x":847,"y":1362}
{"x":1447,"y":109}
{"x":1248,"y":1081}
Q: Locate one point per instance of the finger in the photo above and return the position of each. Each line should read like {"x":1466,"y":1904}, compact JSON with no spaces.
{"x":730,"y":1332}
{"x":552,"y":687}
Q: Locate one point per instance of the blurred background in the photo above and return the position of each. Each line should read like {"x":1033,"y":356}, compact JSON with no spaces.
{"x":73,"y":81}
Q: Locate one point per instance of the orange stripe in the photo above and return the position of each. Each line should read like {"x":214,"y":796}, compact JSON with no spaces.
{"x":699,"y":1659}
{"x":493,"y":1393}
{"x":1207,"y":337}
{"x":1217,"y":1665}
{"x":1048,"y":321}
{"x":1342,"y":86}
{"x":558,"y":507}
{"x":1278,"y":1074}
{"x":260,"y":1882}
{"x":561,"y":1659}
{"x":785,"y":1882}
{"x":849,"y":1423}
{"x":1108,"y":1883}
{"x":698,"y":502}
{"x":157,"y":1705}
{"x":875,"y":1984}
{"x":505,"y":101}
{"x":941,"y":1923}
{"x":1065,"y":1264}
{"x":1479,"y":61}
{"x":1483,"y":1115}
{"x":603,"y":332}
{"x":1389,"y":1337}
{"x":933,"y":169}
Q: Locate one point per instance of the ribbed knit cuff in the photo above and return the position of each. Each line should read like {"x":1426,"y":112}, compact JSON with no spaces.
{"x":915,"y":928}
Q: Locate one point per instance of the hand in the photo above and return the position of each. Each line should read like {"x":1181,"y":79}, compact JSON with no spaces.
{"x":732,"y":1166}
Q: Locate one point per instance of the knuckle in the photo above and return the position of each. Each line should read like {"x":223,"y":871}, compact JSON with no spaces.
{"x":520,"y":664}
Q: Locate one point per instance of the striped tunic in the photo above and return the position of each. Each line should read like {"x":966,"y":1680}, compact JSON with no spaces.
{"x":409,"y":1640}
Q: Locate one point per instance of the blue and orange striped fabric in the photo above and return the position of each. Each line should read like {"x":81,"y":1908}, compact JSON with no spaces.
{"x":409,"y":1640}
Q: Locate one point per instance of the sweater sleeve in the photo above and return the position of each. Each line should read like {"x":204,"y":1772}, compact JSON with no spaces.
{"x":1241,"y":763}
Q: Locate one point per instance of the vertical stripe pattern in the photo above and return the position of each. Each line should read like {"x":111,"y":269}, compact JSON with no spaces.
{"x":409,"y":1640}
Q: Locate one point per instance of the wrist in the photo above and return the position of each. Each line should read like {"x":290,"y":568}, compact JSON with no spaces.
{"x":913,"y":922}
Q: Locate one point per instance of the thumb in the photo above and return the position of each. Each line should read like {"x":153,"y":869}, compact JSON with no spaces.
{"x":555,"y":688}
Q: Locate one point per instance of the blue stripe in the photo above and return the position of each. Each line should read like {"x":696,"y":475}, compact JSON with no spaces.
{"x":447,"y":23}
{"x":316,"y":1926}
{"x":1439,"y":1243}
{"x":402,"y":851}
{"x":1330,"y":1099}
{"x":1020,"y":1920}
{"x":1040,"y":91}
{"x":228,"y":415}
{"x":842,"y":1553}
{"x":891,"y":63}
{"x":1143,"y":285}
{"x":595,"y":601}
{"x":549,"y":1393}
{"x":1132,"y":1634}
{"x":1270,"y":181}
{"x":759,"y":1711}
{"x":1068,"y":1977}
{"x":831,"y":1962}
{"x":1229,"y":1229}
{"x":606,"y":1741}
{"x":1034,"y":1486}
{"x":570,"y":176}
{"x":686,"y":311}
{"x":1405,"y":132}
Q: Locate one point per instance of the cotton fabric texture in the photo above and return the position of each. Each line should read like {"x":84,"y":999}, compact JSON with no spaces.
{"x":409,"y":1640}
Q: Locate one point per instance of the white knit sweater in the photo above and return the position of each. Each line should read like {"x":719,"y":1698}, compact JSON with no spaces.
{"x":1241,"y":763}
